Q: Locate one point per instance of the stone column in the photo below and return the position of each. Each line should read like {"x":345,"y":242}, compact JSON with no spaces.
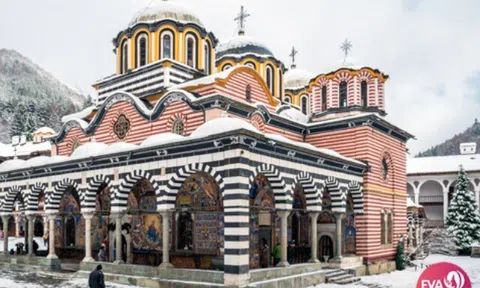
{"x":166,"y":216}
{"x":17,"y":226}
{"x":338,"y":229}
{"x":283,"y":238}
{"x":477,"y":196}
{"x":45,"y":225}
{"x":314,"y":217}
{"x":88,"y":237}
{"x":445,"y":205}
{"x":129,"y":248}
{"x":30,"y":219}
{"x":118,"y":238}
{"x":51,"y":237}
{"x":5,"y":235}
{"x":417,"y":196}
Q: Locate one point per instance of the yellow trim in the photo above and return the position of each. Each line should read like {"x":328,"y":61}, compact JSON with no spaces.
{"x":176,"y":36}
{"x":375,"y":189}
{"x":167,"y":63}
{"x":119,"y":54}
{"x":134,"y":48}
{"x":199,"y":41}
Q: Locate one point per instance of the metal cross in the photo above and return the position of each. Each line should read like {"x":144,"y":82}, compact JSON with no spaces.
{"x":241,"y":19}
{"x":346,"y":47}
{"x":292,"y":54}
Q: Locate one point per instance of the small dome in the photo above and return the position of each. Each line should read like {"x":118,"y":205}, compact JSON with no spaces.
{"x":160,"y":139}
{"x":222,"y":125}
{"x":44,"y":130}
{"x":240,"y":45}
{"x":89,"y":150}
{"x":165,"y":10}
{"x":297,"y":78}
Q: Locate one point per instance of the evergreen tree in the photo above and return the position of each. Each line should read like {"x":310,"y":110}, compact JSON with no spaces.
{"x":16,"y":129}
{"x":463,"y":218}
{"x":29,"y":127}
{"x":401,"y":258}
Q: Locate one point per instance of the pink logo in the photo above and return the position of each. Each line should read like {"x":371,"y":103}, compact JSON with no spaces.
{"x":444,"y":275}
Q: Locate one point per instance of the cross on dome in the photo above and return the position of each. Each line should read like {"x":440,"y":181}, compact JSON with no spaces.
{"x":241,"y":19}
{"x":346,"y":47}
{"x":293,"y":54}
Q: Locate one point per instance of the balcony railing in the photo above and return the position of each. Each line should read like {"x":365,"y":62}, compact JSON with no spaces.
{"x":430,"y":199}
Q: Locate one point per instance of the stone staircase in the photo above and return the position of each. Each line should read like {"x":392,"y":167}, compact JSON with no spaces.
{"x":340,"y":277}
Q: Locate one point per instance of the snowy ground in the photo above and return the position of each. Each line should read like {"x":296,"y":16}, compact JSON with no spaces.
{"x":18,"y":279}
{"x":14,"y":240}
{"x":408,"y":278}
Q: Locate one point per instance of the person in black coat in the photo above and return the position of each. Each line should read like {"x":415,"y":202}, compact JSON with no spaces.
{"x":96,"y":278}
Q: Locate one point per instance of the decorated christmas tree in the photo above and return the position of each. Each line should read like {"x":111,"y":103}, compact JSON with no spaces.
{"x":463,"y":218}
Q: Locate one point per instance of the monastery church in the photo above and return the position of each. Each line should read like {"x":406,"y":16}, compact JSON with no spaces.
{"x":200,"y":156}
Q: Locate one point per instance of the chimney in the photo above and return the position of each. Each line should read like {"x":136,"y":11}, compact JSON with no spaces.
{"x":468,"y":148}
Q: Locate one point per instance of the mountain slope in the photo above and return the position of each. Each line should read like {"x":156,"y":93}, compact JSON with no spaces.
{"x":452,"y":146}
{"x":30,"y":97}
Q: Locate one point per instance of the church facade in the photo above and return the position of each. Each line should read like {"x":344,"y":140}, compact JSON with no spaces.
{"x":202,"y":154}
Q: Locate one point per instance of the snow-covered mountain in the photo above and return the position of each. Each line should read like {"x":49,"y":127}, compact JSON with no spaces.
{"x":30,"y":97}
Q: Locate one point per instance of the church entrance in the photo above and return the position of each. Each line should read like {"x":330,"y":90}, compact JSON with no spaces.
{"x":38,"y":227}
{"x":70,"y":232}
{"x":325,"y":248}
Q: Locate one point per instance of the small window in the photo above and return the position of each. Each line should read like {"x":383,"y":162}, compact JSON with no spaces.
{"x":124,"y":57}
{"x":384,"y":168}
{"x":269,"y":78}
{"x":178,"y":127}
{"x":121,"y":127}
{"x":364,"y":93}
{"x":142,"y":50}
{"x":248,"y":93}
{"x":228,"y":66}
{"x":166,"y":45}
{"x":251,"y":65}
{"x":207,"y":58}
{"x":304,"y":105}
{"x":383,"y":227}
{"x":324,"y":98}
{"x":389,"y":228}
{"x":191,"y":53}
{"x":287,"y":99}
{"x":343,"y":94}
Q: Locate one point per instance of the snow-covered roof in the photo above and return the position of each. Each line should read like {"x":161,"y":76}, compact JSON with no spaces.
{"x":222,"y":125}
{"x":160,"y":139}
{"x":44,"y":130}
{"x":12,"y":164}
{"x":89,"y":150}
{"x":297,"y":78}
{"x":410,"y":203}
{"x":8,"y":151}
{"x":443,"y":164}
{"x":79,"y":115}
{"x":241,"y":44}
{"x":163,"y":10}
{"x":204,"y":80}
{"x":293,"y":114}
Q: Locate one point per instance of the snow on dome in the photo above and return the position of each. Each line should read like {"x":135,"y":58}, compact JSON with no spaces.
{"x":297,"y":78}
{"x":44,"y":130}
{"x":12,"y":164}
{"x":89,"y":150}
{"x":165,"y":10}
{"x":294,"y":114}
{"x":159,"y":139}
{"x":240,"y":45}
{"x":222,"y":125}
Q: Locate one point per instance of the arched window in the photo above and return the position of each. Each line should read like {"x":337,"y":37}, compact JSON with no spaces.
{"x":142,"y":50}
{"x":364,"y":93}
{"x":251,"y":65}
{"x":227,"y":66}
{"x":124,"y":59}
{"x":269,"y":78}
{"x":384,"y":168}
{"x":178,"y":127}
{"x":166,"y":45}
{"x":343,"y":94}
{"x":390,"y":228}
{"x":248,"y":93}
{"x":287,"y":99}
{"x":304,"y":104}
{"x":324,"y":98}
{"x":191,"y":51}
{"x":207,"y":57}
{"x":383,"y":226}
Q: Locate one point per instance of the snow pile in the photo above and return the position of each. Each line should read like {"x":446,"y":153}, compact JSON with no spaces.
{"x":118,"y":147}
{"x":44,"y":130}
{"x":222,"y":125}
{"x":160,"y":139}
{"x":165,"y":10}
{"x":297,"y":78}
{"x":11,"y":165}
{"x":293,"y":114}
{"x":88,"y":150}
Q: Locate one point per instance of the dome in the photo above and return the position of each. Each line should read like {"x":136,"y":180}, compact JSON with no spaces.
{"x":44,"y":130}
{"x":165,"y":10}
{"x":242,"y":44}
{"x":297,"y":78}
{"x":222,"y":125}
{"x":89,"y":150}
{"x":160,"y":139}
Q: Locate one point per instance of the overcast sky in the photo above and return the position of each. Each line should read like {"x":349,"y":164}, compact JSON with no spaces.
{"x":430,"y":48}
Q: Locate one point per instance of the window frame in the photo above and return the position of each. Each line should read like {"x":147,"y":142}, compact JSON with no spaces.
{"x":124,"y":57}
{"x":192,"y":38}
{"x":343,"y":87}
{"x":176,"y":128}
{"x":207,"y":62}
{"x":162,"y":44}
{"x":305,"y":109}
{"x":364,"y":93}
{"x":324,"y":98}
{"x":227,"y":66}
{"x":140,"y":37}
{"x":269,"y":79}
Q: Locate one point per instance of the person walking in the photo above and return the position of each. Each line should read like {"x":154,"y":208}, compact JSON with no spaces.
{"x":264,"y":254}
{"x":101,"y":254}
{"x":96,"y":279}
{"x":277,"y":254}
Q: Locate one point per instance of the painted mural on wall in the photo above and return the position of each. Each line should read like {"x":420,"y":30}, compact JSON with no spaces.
{"x":349,"y":229}
{"x":100,"y":223}
{"x":202,"y":232}
{"x":146,"y":233}
{"x":70,"y":226}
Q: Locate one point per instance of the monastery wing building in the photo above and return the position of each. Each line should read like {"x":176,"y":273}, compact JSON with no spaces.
{"x":203,"y":154}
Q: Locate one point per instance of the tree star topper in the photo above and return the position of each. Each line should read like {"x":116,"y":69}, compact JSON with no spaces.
{"x":241,"y":19}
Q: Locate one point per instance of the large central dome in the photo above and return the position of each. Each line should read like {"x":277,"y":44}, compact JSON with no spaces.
{"x":165,"y":10}
{"x":241,"y":45}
